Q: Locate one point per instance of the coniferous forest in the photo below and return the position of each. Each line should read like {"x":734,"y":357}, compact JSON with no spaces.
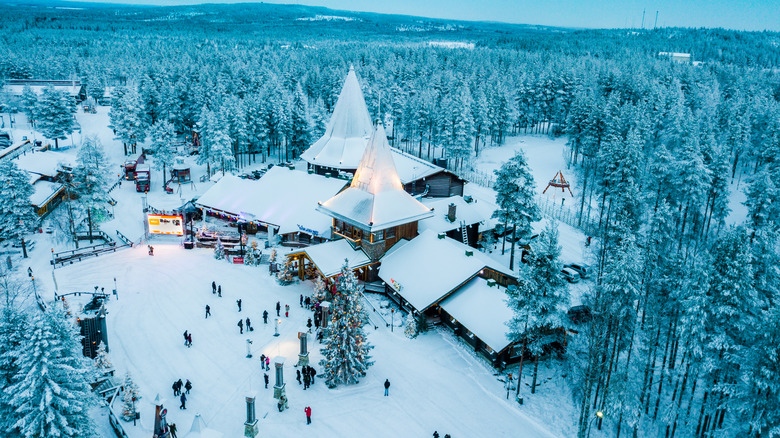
{"x":685,"y":335}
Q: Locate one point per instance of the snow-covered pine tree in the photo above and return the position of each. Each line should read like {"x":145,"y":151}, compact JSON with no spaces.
{"x":16,"y":213}
{"x":102,"y":361}
{"x":300,"y":123}
{"x":286,"y":274}
{"x":29,"y":103}
{"x":90,"y":179}
{"x":219,"y":250}
{"x":128,"y":117}
{"x":320,"y":289}
{"x":252,"y":255}
{"x":13,"y":332}
{"x":162,"y":136}
{"x":54,"y":114}
{"x":51,"y":395}
{"x":130,"y":392}
{"x":410,"y":326}
{"x":346,"y":345}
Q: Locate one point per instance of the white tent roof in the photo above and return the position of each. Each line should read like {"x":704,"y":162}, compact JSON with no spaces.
{"x":376,"y":199}
{"x":483,"y":310}
{"x":464,"y":211}
{"x":329,"y":257}
{"x":199,"y":429}
{"x":347,"y":132}
{"x":428,"y":268}
{"x":282,"y":197}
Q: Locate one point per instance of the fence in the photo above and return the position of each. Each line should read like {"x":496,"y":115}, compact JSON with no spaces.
{"x":478,"y":177}
{"x":112,"y":418}
{"x":566,"y":214}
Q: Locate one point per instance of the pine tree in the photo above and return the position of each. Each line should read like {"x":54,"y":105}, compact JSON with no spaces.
{"x":128,"y":118}
{"x":51,"y":392}
{"x":287,"y":274}
{"x":54,"y":114}
{"x":410,"y":326}
{"x":346,"y":351}
{"x":13,"y":335}
{"x":102,"y":361}
{"x":17,"y":215}
{"x":130,"y":398}
{"x":252,"y":256}
{"x":29,"y":103}
{"x":300,"y":123}
{"x":90,"y":180}
{"x":162,"y":137}
{"x":219,"y":250}
{"x":320,"y":289}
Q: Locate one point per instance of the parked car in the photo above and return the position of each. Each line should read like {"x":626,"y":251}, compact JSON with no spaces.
{"x":570,"y":275}
{"x":583,"y":270}
{"x":578,"y":314}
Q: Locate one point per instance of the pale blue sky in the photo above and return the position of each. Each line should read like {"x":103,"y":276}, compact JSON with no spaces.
{"x":731,"y":14}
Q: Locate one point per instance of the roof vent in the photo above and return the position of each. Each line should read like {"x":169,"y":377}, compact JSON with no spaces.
{"x":491,"y":282}
{"x":469,"y":253}
{"x":441,"y":235}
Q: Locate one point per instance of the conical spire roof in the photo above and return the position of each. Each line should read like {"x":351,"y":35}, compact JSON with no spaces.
{"x":347,"y":132}
{"x":376,"y":199}
{"x":199,"y":429}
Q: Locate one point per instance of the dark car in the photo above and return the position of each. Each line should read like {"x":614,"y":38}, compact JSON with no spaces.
{"x":578,"y":314}
{"x":583,"y":270}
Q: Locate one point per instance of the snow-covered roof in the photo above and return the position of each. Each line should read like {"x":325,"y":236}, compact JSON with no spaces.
{"x":411,"y":168}
{"x":484,"y":200}
{"x":44,"y":163}
{"x":329,"y":256}
{"x":282,"y":197}
{"x":347,"y":132}
{"x":199,"y":429}
{"x":43,"y":191}
{"x":464,"y":212}
{"x":428,"y":268}
{"x":483,"y":310}
{"x":376,"y":200}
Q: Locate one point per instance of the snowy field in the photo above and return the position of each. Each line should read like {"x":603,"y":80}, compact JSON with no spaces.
{"x":437,"y":384}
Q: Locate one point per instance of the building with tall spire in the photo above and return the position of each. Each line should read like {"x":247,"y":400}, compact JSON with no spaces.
{"x":374,"y":212}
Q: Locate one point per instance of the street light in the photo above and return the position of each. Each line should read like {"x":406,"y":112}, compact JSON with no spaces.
{"x":392,"y":319}
{"x":599,"y":415}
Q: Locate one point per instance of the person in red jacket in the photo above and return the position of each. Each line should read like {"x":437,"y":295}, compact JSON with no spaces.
{"x":307,"y":409}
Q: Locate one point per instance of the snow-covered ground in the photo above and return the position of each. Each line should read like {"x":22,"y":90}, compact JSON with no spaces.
{"x":437,"y":384}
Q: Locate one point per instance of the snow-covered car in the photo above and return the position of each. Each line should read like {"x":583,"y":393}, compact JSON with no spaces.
{"x":582,"y":270}
{"x":578,"y":314}
{"x":570,"y":275}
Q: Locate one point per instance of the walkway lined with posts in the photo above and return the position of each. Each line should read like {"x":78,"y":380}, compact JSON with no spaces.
{"x":62,"y":258}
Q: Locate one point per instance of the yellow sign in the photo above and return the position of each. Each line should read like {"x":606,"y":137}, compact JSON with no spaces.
{"x":165,"y":224}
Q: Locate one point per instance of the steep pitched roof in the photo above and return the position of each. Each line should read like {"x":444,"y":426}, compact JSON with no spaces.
{"x":376,"y":200}
{"x":347,"y":132}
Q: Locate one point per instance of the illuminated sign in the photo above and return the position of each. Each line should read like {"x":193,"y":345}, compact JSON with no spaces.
{"x":164,"y":224}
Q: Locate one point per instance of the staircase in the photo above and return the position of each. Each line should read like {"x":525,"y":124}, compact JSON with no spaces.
{"x":464,"y":232}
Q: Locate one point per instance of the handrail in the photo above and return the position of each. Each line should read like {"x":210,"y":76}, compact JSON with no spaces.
{"x":375,"y":310}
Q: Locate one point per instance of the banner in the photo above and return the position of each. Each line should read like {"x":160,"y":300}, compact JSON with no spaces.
{"x":165,"y":224}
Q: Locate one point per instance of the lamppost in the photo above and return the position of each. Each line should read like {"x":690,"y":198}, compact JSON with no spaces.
{"x":392,"y":319}
{"x":599,"y":415}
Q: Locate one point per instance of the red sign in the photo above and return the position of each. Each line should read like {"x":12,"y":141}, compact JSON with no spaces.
{"x":238,"y":260}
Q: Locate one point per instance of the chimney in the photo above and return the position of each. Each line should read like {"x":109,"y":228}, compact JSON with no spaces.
{"x":451,"y":212}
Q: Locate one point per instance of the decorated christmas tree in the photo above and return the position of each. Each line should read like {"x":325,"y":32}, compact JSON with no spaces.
{"x":219,"y":250}
{"x":410,"y":326}
{"x":102,"y":362}
{"x":252,"y":256}
{"x":131,"y":392}
{"x":286,"y":275}
{"x":346,"y":351}
{"x":320,"y":289}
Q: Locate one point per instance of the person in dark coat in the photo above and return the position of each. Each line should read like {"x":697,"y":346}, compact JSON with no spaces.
{"x":172,"y":429}
{"x":301,"y":300}
{"x":298,"y":376}
{"x":189,"y":340}
{"x":265,"y":377}
{"x":179,"y":385}
{"x":208,"y":311}
{"x":308,"y":325}
{"x":307,"y":302}
{"x":265,"y":317}
{"x":213,"y":287}
{"x":248,"y":325}
{"x":185,"y":337}
{"x":239,"y":304}
{"x":306,"y":380}
{"x":175,"y":389}
{"x":219,"y":290}
{"x":307,"y":410}
{"x":278,"y":308}
{"x":183,"y":399}
{"x":387,"y":387}
{"x":262,"y":361}
{"x":316,"y":323}
{"x":241,"y":325}
{"x":435,"y":434}
{"x":188,"y":386}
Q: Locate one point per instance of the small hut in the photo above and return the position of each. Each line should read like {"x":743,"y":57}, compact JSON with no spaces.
{"x":180,"y":173}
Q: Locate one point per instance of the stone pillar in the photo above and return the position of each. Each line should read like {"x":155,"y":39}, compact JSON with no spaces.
{"x":324,"y":313}
{"x":303,"y":355}
{"x":279,"y":366}
{"x":250,"y":426}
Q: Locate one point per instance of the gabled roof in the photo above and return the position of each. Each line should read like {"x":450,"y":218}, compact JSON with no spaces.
{"x":375,"y":200}
{"x":329,"y":257}
{"x":464,"y":212}
{"x":347,"y":132}
{"x":428,"y":268}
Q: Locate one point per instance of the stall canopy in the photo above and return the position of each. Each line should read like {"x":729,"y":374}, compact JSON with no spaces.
{"x":282,"y":198}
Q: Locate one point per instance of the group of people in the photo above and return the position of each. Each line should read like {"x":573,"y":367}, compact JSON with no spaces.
{"x":308,"y":374}
{"x":187,"y":338}
{"x":216,"y":290}
{"x":177,"y":386}
{"x":248,"y":325}
{"x":436,"y":435}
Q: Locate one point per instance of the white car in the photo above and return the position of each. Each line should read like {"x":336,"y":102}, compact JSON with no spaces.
{"x":570,"y":275}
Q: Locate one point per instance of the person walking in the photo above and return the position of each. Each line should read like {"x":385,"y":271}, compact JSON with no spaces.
{"x":306,"y":380}
{"x":387,"y":387}
{"x":312,"y":373}
{"x":278,"y":308}
{"x":301,"y":300}
{"x":241,"y":325}
{"x":179,"y":384}
{"x":265,"y":377}
{"x":308,"y":325}
{"x":183,"y":399}
{"x":307,"y":302}
{"x":175,"y":389}
{"x":316,"y":323}
{"x":298,"y":376}
{"x":185,"y":337}
{"x":265,"y":317}
{"x":435,"y":434}
{"x":267,"y":364}
{"x":172,"y":429}
{"x":219,"y":291}
{"x":188,"y":386}
{"x":249,"y":325}
{"x":262,"y":361}
{"x":208,"y":311}
{"x":239,"y":304}
{"x":189,"y":340}
{"x":213,"y":287}
{"x":307,"y":410}
{"x":286,"y":310}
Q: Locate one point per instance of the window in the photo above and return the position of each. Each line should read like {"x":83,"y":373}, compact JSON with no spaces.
{"x":389,"y":233}
{"x":377,"y":236}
